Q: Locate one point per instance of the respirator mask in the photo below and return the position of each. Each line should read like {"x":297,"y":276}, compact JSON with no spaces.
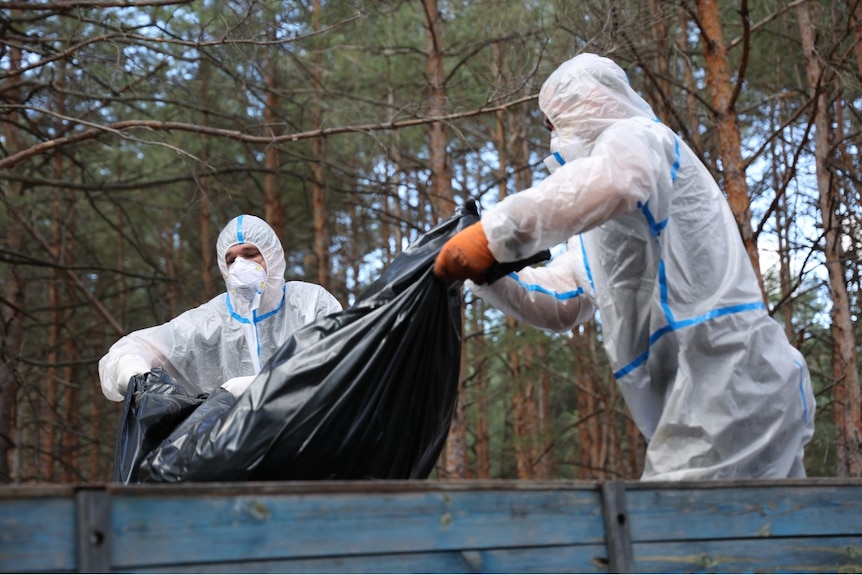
{"x":246,"y":280}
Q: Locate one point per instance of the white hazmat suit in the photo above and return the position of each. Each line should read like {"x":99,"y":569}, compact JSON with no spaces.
{"x":710,"y":379}
{"x":231,"y":337}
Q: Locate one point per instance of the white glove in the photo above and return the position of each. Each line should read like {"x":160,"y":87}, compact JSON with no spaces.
{"x":237,"y":385}
{"x":128,"y":367}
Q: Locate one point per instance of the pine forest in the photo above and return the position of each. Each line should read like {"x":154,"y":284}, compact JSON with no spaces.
{"x":134,"y":130}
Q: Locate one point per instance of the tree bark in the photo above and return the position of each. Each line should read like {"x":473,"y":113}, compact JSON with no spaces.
{"x":689,"y":83}
{"x":782,"y":231}
{"x":393,"y":200}
{"x":848,"y":416}
{"x":658,"y":91}
{"x":12,"y":315}
{"x":520,"y":396}
{"x":544,"y":455}
{"x":318,"y":194}
{"x":442,"y":200}
{"x":205,"y":215}
{"x":456,"y":443}
{"x":517,"y":146}
{"x":855,"y":7}
{"x":721,"y":89}
{"x":480,"y":360}
{"x":71,"y":441}
{"x":588,"y":450}
{"x":49,"y":423}
{"x":273,"y":207}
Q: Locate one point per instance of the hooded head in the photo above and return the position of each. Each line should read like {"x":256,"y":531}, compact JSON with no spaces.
{"x":584,"y":96}
{"x":247,"y":229}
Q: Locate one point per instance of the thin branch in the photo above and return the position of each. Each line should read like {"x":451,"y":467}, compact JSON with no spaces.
{"x":65,"y":5}
{"x":117,"y":129}
{"x":103,"y":311}
{"x":788,"y":177}
{"x":746,"y":51}
{"x":790,"y":5}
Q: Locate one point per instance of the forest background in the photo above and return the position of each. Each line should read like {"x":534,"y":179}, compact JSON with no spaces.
{"x":132,"y":131}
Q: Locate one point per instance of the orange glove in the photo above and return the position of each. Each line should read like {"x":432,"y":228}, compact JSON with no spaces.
{"x":465,"y":256}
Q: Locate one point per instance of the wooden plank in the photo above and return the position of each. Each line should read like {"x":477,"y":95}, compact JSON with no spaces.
{"x":40,"y":491}
{"x":809,"y":526}
{"x":345,"y":487}
{"x":94,"y":531}
{"x":37,"y":534}
{"x":773,"y":510}
{"x":248,"y":527}
{"x":617,"y":527}
{"x":559,"y":559}
{"x":776,"y":555}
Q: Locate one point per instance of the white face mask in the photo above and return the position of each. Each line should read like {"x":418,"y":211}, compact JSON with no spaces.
{"x":246,"y":279}
{"x":564,"y":151}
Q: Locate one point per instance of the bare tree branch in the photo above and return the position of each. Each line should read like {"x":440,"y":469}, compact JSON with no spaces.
{"x":63,"y":5}
{"x":118,"y":129}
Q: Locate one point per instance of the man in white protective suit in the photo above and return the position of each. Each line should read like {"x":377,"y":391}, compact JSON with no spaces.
{"x":227,"y":340}
{"x":709,"y":377}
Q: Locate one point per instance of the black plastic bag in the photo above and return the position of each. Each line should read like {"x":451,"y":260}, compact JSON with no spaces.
{"x":364,"y":393}
{"x":155,"y":404}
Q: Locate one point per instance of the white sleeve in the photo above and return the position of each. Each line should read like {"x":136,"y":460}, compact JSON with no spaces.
{"x":620,"y":174}
{"x":133,"y":354}
{"x":546,"y":297}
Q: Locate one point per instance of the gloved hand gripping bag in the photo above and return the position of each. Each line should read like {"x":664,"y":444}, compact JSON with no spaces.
{"x":364,"y":393}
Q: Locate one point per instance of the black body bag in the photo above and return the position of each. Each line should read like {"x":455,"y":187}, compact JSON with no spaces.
{"x":366,"y":393}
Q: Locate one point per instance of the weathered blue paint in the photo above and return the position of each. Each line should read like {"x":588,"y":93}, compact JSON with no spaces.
{"x":443,"y":527}
{"x":38,"y":534}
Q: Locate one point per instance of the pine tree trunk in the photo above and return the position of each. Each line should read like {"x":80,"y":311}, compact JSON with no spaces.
{"x":91,"y":396}
{"x":544,"y":464}
{"x":657,"y":89}
{"x":456,"y":442}
{"x":393,"y":201}
{"x":71,"y":444}
{"x":589,"y":447}
{"x":49,"y":424}
{"x":273,"y":206}
{"x":204,"y":219}
{"x":782,"y":229}
{"x":721,"y":89}
{"x":524,"y":403}
{"x":318,"y":193}
{"x":689,"y":83}
{"x":848,"y":417}
{"x":519,"y":413}
{"x":531,"y":415}
{"x":479,"y":359}
{"x":443,"y":204}
{"x":442,"y":200}
{"x":171,"y":264}
{"x":12,"y":322}
{"x":855,"y":8}
{"x":14,"y":290}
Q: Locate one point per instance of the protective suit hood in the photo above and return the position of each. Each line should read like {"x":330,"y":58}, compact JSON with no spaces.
{"x":586,"y":95}
{"x":248,"y":229}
